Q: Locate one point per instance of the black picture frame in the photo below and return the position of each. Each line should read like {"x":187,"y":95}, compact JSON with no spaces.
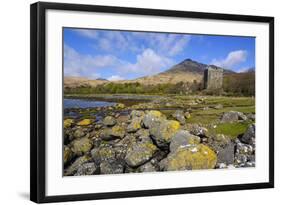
{"x":38,"y":100}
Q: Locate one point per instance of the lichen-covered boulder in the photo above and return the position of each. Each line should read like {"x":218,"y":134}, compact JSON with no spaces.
{"x":152,"y":117}
{"x":67,"y":154}
{"x":182,"y":139}
{"x":135,"y":125}
{"x":136,"y":113}
{"x":142,"y":135}
{"x":164,"y":131}
{"x":109,"y":121}
{"x":84,"y":122}
{"x":179,"y":116}
{"x":113,"y":133}
{"x":68,"y":123}
{"x":71,"y":169}
{"x":81,"y":146}
{"x":190,"y":158}
{"x":101,"y":154}
{"x":140,"y":153}
{"x":86,"y":169}
{"x":78,"y":133}
{"x":111,"y":167}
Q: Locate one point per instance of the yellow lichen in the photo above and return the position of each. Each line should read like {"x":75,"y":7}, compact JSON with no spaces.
{"x":67,"y":123}
{"x":169,"y":129}
{"x":81,"y":146}
{"x":196,"y":157}
{"x":84,"y":122}
{"x":155,"y":113}
{"x":118,"y":130}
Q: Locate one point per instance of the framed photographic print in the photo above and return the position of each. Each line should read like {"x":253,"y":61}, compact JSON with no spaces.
{"x":129,"y":102}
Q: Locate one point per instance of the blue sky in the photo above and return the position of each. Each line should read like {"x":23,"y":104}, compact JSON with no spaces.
{"x":117,"y":55}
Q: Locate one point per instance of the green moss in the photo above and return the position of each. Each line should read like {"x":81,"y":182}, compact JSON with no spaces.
{"x":230,"y":129}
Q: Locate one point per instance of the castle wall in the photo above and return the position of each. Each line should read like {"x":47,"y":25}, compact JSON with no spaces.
{"x":213,"y":78}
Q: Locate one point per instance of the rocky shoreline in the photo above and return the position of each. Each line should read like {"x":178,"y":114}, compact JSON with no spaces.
{"x":132,"y":140}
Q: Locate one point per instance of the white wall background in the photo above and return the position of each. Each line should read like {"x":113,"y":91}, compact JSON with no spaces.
{"x":14,"y":101}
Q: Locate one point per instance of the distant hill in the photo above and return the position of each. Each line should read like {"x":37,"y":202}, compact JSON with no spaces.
{"x":185,"y":71}
{"x":73,"y":82}
{"x":240,"y":83}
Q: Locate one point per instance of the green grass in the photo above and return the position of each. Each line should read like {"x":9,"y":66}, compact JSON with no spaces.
{"x":230,"y":129}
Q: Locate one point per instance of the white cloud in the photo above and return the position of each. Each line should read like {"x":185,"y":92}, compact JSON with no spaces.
{"x":87,"y":33}
{"x":179,"y":45}
{"x":115,"y":78}
{"x":233,"y":58}
{"x":149,"y":63}
{"x":166,"y":44}
{"x":76,"y":64}
{"x":116,"y":41}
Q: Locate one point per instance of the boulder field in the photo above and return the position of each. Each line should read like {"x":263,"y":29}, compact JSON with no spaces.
{"x":149,"y":141}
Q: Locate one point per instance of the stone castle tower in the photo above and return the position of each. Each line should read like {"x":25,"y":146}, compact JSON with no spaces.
{"x":213,"y":78}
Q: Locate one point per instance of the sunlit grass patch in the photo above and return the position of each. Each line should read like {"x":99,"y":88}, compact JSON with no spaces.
{"x":230,"y":129}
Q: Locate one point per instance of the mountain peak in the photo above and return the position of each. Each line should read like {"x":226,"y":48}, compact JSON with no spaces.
{"x":188,"y":65}
{"x":188,"y":59}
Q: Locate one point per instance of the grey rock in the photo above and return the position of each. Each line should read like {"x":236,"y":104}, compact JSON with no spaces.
{"x":147,"y":167}
{"x":100,"y":154}
{"x":109,"y":121}
{"x":135,"y":125}
{"x":249,"y":136}
{"x":113,"y":133}
{"x":197,"y":130}
{"x":86,"y":169}
{"x":233,"y":116}
{"x":240,"y":159}
{"x":182,"y":139}
{"x":79,"y":133}
{"x":163,"y":132}
{"x":120,"y":152}
{"x":111,"y":167}
{"x":81,"y":146}
{"x":140,"y":153}
{"x":246,"y":149}
{"x":136,"y":113}
{"x":179,"y":116}
{"x":71,"y":169}
{"x":152,"y":118}
{"x":251,"y":116}
{"x":226,"y":154}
